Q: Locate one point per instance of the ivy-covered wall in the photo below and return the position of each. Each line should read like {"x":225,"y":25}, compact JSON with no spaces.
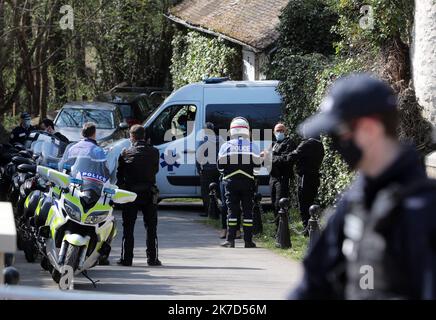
{"x":196,"y":56}
{"x":322,"y":40}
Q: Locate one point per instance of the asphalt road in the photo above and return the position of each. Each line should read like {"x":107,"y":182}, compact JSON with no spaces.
{"x":194,"y":265}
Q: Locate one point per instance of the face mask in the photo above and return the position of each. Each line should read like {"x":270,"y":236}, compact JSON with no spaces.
{"x":27,"y":123}
{"x":348,"y":150}
{"x":280,"y":136}
{"x":183,"y":127}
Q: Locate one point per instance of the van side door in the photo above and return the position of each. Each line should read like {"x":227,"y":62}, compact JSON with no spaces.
{"x":173,"y":132}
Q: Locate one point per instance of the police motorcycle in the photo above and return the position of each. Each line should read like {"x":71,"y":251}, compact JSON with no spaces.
{"x":26,"y":158}
{"x":32,"y":193}
{"x":80,"y":226}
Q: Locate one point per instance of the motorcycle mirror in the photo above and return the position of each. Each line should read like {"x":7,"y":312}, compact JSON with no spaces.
{"x":42,"y":171}
{"x":123,"y":196}
{"x":58,"y":178}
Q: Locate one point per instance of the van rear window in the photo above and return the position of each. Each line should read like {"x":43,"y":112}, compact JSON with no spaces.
{"x":260,"y":116}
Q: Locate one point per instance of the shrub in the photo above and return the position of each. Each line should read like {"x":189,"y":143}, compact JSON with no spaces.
{"x":305,"y":27}
{"x":196,"y":56}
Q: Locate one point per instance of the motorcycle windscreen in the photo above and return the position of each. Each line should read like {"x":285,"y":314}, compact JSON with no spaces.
{"x":50,"y":153}
{"x":93,"y":172}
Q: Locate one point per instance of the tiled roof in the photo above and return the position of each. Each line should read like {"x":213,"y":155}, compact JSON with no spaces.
{"x":252,"y":22}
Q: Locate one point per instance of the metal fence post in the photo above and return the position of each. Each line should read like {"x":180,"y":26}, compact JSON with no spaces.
{"x":257,"y":214}
{"x":283,"y":238}
{"x":314,"y":229}
{"x":213,"y":210}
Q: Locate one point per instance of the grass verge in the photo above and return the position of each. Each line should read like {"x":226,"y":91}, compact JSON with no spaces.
{"x":267,"y":238}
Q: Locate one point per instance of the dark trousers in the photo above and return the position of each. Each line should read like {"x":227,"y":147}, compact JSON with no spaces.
{"x":224,"y":211}
{"x":239,"y":193}
{"x":279,"y":189}
{"x":307,"y":193}
{"x":130,"y":213}
{"x":208,"y":176}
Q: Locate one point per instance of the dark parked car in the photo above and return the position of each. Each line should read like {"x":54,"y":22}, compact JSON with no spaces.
{"x":107,"y":117}
{"x":136,"y":103}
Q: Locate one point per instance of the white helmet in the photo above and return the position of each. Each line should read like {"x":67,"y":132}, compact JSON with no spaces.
{"x":239,"y":126}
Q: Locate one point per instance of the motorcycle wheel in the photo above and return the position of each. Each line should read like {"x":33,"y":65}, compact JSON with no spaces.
{"x":56,"y":276}
{"x":45,"y":264}
{"x":72,"y":256}
{"x":20,"y":241}
{"x":29,"y":251}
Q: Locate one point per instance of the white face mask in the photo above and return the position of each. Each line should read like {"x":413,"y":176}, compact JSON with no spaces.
{"x":27,"y":123}
{"x":280,"y":136}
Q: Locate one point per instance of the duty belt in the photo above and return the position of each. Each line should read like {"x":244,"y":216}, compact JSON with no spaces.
{"x":238,"y":172}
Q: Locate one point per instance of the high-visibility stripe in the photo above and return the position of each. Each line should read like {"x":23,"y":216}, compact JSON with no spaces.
{"x":248,"y":220}
{"x":232,"y":224}
{"x":233,"y":219}
{"x":247,"y":224}
{"x":238,"y":172}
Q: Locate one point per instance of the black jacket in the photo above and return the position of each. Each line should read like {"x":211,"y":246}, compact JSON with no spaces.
{"x":137,"y":168}
{"x":410,"y":237}
{"x":20,"y":134}
{"x":280,"y":162}
{"x":307,"y":157}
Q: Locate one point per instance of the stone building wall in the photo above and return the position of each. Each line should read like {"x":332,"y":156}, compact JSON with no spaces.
{"x":424,"y":56}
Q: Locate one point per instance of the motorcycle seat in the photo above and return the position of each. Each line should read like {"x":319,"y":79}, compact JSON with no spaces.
{"x":17,"y":160}
{"x":27,"y":168}
{"x":25,"y":153}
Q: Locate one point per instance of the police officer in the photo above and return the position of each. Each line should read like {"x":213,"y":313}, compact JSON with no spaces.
{"x":137,"y":169}
{"x":237,"y":159}
{"x":206,"y":162}
{"x":280,"y":172}
{"x":47,"y":125}
{"x":380,"y":242}
{"x":20,"y":133}
{"x":88,"y":147}
{"x":307,"y":159}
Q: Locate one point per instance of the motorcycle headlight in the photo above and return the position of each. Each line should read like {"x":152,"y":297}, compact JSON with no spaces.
{"x":97,"y":217}
{"x":73,"y":213}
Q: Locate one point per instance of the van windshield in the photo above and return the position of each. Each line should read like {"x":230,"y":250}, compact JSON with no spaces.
{"x":260,"y":116}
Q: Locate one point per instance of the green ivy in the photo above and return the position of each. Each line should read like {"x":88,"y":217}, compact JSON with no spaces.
{"x":196,"y":56}
{"x":391,"y":19}
{"x":335,"y":175}
{"x":305,"y":27}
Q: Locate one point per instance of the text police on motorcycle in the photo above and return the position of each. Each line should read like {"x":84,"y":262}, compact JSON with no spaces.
{"x":380,"y":243}
{"x":237,"y":159}
{"x":137,"y":169}
{"x":21,"y":132}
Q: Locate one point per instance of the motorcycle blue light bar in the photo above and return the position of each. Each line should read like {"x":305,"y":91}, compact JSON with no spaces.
{"x":53,"y":165}
{"x":76,"y":181}
{"x":109,"y":191}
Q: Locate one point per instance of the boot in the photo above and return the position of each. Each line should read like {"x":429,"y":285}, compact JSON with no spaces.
{"x":124,"y":263}
{"x":154,"y":262}
{"x":228,"y":244}
{"x":250,"y":244}
{"x":223,"y":234}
